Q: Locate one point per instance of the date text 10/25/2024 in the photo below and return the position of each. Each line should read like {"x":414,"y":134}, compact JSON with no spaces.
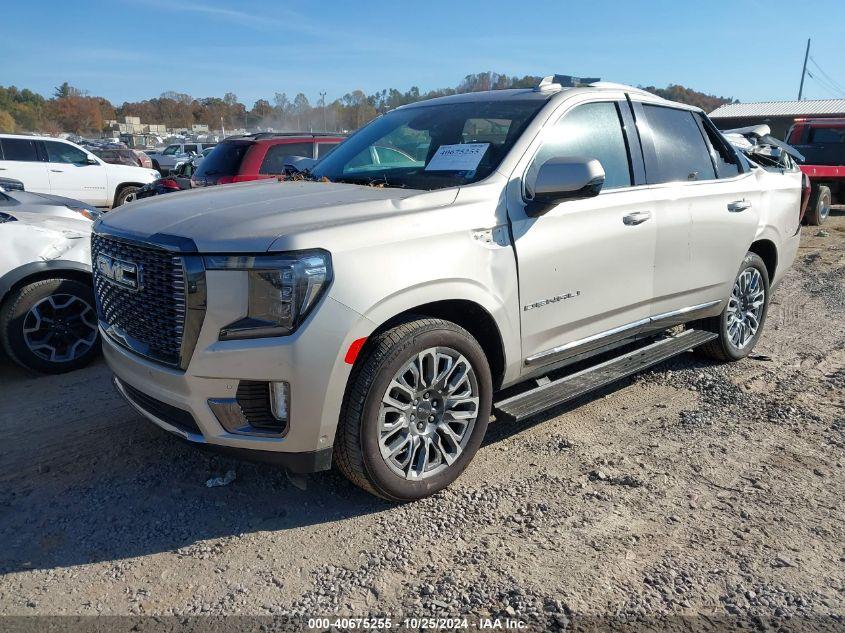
{"x":416,"y":624}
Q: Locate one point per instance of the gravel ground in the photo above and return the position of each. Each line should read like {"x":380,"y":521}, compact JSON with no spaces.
{"x":694,"y":493}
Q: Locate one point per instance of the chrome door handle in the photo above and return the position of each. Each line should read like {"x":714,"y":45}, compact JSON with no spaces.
{"x":739,"y":205}
{"x":638,"y":217}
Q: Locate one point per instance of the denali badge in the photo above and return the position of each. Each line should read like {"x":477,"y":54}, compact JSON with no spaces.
{"x":119,"y":273}
{"x":544,"y":302}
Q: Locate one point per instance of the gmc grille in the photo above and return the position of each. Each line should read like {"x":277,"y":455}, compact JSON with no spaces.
{"x":150,"y":319}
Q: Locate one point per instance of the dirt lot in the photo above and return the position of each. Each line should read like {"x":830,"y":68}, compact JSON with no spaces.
{"x":692,"y":490}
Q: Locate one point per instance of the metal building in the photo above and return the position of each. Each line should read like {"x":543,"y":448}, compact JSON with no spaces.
{"x":778,"y":115}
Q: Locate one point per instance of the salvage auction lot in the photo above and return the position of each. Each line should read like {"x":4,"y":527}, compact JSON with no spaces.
{"x":696,"y":488}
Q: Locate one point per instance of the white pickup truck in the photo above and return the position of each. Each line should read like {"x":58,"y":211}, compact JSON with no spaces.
{"x":495,"y":252}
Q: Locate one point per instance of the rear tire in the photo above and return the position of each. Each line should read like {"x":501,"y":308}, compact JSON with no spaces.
{"x":126,"y":194}
{"x":50,"y":326}
{"x":416,"y":410}
{"x":819,"y":207}
{"x":736,"y":338}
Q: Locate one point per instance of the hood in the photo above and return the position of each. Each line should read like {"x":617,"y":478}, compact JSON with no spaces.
{"x":249,"y":217}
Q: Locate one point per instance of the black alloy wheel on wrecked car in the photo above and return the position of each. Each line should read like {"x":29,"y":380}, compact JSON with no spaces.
{"x":50,"y":326}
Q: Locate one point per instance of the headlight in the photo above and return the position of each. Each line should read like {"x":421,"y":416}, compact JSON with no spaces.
{"x":283,"y":289}
{"x":86,"y":212}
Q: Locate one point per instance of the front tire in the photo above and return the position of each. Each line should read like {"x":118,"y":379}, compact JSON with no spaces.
{"x":416,"y":410}
{"x":126,"y":194}
{"x":819,"y":206}
{"x":740,"y":324}
{"x":50,"y":326}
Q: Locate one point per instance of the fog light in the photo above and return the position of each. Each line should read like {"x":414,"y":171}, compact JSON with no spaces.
{"x":280,"y":401}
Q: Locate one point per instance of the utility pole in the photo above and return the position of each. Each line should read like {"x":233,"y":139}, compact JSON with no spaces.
{"x":804,"y":70}
{"x":323,"y":103}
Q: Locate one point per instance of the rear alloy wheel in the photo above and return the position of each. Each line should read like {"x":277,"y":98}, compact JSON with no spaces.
{"x":51,"y":326}
{"x":819,"y":206}
{"x":741,"y":323}
{"x":416,"y":410}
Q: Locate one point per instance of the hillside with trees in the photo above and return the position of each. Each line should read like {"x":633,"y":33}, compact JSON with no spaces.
{"x":71,"y":109}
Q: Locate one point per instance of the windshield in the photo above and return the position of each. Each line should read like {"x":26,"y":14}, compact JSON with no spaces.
{"x":430,"y":147}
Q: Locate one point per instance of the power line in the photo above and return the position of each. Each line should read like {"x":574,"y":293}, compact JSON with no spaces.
{"x":824,"y":84}
{"x":828,"y":77}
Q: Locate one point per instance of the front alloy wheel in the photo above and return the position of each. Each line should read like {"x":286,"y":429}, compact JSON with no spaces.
{"x":427,"y":413}
{"x":415,"y":411}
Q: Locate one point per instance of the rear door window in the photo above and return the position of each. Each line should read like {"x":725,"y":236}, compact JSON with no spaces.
{"x":190,"y":149}
{"x":22,"y":149}
{"x":274,"y":160}
{"x":681,"y":153}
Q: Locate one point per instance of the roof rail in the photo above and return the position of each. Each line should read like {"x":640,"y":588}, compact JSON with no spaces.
{"x":609,"y":85}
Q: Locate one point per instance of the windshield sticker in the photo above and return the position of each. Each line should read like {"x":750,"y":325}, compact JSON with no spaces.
{"x":461,"y":157}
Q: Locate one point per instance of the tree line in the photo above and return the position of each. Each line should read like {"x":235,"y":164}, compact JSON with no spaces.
{"x":71,"y":109}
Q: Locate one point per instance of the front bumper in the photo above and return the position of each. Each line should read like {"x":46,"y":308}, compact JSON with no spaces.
{"x":311,"y":360}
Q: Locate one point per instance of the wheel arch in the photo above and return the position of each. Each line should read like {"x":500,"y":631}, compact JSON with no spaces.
{"x":36,"y":271}
{"x":471,"y":316}
{"x":768,"y":252}
{"x":120,"y":187}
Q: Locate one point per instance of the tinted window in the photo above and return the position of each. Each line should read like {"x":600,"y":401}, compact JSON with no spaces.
{"x":827,"y":135}
{"x":681,"y":152}
{"x":19,"y":149}
{"x":324,"y":149}
{"x":170,"y":150}
{"x":727,"y":163}
{"x":190,"y":148}
{"x":223,"y":160}
{"x":592,"y":130}
{"x":274,"y":160}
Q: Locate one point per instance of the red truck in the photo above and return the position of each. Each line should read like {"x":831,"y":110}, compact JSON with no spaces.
{"x":822,"y":142}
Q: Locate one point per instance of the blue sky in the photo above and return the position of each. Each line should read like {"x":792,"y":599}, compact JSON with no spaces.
{"x":135,"y":49}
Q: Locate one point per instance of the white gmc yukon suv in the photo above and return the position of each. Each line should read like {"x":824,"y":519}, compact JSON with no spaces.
{"x":486,"y":253}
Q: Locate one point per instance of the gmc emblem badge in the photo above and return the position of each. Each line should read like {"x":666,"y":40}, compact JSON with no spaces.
{"x":124,"y":274}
